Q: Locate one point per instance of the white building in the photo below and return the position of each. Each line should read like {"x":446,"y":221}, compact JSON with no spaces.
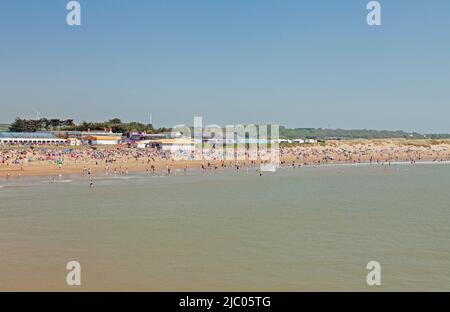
{"x":102,"y":140}
{"x":74,"y":142}
{"x":182,"y":145}
{"x":30,"y":138}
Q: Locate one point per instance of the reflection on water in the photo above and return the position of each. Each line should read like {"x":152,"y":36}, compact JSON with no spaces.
{"x":295,"y":229}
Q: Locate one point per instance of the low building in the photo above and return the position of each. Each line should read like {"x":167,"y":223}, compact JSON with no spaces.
{"x":83,"y":135}
{"x":181,"y":144}
{"x":74,"y":142}
{"x":30,"y":138}
{"x":281,"y":141}
{"x":142,"y":143}
{"x":133,"y":137}
{"x":102,"y":140}
{"x":156,"y":136}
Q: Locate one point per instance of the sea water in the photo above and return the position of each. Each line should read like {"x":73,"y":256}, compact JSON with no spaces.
{"x":303,"y":229}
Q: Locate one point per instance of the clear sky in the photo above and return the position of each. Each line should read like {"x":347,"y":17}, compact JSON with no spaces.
{"x":299,"y":63}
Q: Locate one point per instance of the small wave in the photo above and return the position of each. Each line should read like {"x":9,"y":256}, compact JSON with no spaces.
{"x":56,"y":181}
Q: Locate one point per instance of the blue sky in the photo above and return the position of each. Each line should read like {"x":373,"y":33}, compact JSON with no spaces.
{"x":297,"y":63}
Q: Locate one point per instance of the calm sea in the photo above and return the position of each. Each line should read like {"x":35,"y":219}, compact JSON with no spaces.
{"x":293,"y":230}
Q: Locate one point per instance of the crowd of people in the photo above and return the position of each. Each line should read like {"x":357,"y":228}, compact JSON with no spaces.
{"x":119,"y":160}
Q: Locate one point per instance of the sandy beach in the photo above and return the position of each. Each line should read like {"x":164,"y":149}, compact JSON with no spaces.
{"x":52,"y":161}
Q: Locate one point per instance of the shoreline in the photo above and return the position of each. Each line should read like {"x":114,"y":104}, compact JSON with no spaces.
{"x":66,"y":177}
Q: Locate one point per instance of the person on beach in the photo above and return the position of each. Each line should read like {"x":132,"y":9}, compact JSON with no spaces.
{"x":19,"y":161}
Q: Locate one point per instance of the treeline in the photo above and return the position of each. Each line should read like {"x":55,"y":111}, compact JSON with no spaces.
{"x":42,"y":124}
{"x":319,"y":133}
{"x":115,"y":124}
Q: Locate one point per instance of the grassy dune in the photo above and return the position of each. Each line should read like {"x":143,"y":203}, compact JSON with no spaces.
{"x":396,"y":141}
